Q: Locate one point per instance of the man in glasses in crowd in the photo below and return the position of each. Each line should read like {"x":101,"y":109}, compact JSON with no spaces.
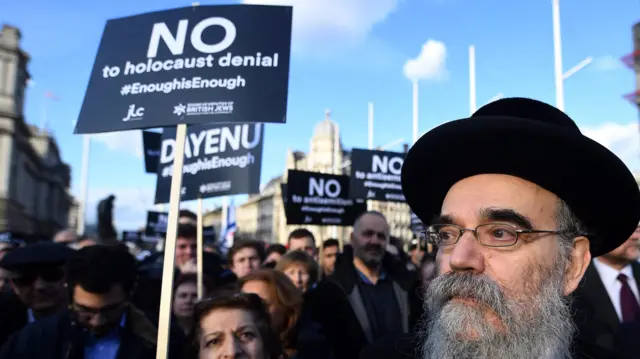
{"x":36,"y":277}
{"x":517,"y":201}
{"x":101,"y":322}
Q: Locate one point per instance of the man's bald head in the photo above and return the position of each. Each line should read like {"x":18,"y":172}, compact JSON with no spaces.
{"x":66,"y":236}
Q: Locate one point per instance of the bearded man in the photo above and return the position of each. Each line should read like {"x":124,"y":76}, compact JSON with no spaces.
{"x":518,"y":201}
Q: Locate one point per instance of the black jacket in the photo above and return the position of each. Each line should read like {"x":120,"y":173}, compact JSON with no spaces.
{"x":13,"y":315}
{"x":597,"y":321}
{"x":57,"y":337}
{"x":336,"y":304}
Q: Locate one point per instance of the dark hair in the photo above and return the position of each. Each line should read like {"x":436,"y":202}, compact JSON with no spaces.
{"x":301,"y":233}
{"x":207,"y":283}
{"x":185,"y":213}
{"x":242,"y":244}
{"x":276,"y":248}
{"x":331,"y":242}
{"x":188,"y":231}
{"x":243,"y":301}
{"x":98,"y":268}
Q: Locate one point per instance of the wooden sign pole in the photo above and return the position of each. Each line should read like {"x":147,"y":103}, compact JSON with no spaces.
{"x":168,"y":267}
{"x":200,"y":250}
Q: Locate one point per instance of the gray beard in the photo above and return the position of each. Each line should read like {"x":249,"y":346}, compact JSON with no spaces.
{"x":537,"y":326}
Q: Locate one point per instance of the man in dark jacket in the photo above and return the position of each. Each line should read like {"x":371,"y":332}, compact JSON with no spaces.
{"x":370,"y":295}
{"x":37,"y":280}
{"x":101,"y":322}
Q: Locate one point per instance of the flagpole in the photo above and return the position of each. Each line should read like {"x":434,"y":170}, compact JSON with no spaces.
{"x":84,"y":182}
{"x":557,"y":55}
{"x":45,"y":113}
{"x":415,"y":110}
{"x":472,"y":79}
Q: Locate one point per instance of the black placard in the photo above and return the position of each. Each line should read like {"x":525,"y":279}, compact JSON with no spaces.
{"x":131,"y":236}
{"x":416,"y":225}
{"x":375,"y":175}
{"x":151,"y":144}
{"x":156,"y":224}
{"x":320,"y":199}
{"x":223,"y":63}
{"x":220,"y":160}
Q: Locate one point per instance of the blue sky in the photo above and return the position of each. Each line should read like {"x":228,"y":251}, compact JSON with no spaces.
{"x":347,"y":53}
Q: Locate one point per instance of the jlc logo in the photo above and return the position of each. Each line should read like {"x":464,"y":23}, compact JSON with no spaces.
{"x":134,"y":113}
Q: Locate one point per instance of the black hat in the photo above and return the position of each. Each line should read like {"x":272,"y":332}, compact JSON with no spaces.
{"x":43,"y":253}
{"x":534,"y":141}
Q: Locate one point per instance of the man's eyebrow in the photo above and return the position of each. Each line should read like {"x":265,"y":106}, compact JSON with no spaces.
{"x":442,"y":219}
{"x":506,"y":215}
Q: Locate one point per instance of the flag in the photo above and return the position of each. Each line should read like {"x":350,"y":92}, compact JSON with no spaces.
{"x":50,"y":95}
{"x":228,"y":228}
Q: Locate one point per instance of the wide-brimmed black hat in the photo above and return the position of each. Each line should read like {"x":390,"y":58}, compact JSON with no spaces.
{"x":534,"y":141}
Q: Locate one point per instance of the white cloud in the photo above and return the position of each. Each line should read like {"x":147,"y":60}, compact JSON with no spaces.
{"x":326,"y":25}
{"x":621,"y":139}
{"x":607,"y":63}
{"x":129,"y":142}
{"x":430,"y":63}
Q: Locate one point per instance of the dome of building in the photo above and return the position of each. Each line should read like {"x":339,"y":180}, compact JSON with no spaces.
{"x":326,"y":126}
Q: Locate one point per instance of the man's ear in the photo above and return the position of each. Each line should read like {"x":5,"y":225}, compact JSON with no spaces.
{"x":580,"y":260}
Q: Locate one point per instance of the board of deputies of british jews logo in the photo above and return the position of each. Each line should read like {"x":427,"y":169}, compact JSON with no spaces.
{"x":219,"y":160}
{"x":205,"y":64}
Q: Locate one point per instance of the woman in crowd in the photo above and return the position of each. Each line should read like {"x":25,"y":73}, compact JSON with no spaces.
{"x":300,"y":268}
{"x":185,"y":295}
{"x":283,"y":299}
{"x":233,"y":326}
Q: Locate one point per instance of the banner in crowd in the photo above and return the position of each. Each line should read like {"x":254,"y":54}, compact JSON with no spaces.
{"x":220,"y":160}
{"x":321,"y":199}
{"x":375,"y":175}
{"x":151,"y":145}
{"x":156,"y":224}
{"x":222,"y":63}
{"x":208,"y":234}
{"x":131,"y":236}
{"x":416,"y":225}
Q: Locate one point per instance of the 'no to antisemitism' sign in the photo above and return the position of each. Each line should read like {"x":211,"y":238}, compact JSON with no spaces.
{"x":224,"y":64}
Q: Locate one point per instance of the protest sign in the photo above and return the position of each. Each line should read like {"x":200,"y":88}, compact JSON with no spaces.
{"x":320,"y":199}
{"x":219,"y":160}
{"x":375,"y":175}
{"x":223,"y":63}
{"x":151,"y":146}
{"x":156,"y":224}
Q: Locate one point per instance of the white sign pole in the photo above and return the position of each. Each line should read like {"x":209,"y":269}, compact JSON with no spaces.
{"x":200,"y":249}
{"x":168,"y":267}
{"x":472,"y":80}
{"x":370,"y":141}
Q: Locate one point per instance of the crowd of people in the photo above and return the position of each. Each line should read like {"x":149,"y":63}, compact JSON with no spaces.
{"x":530,"y":251}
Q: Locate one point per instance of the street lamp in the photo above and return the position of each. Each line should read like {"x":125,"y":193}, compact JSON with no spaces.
{"x":560,"y":76}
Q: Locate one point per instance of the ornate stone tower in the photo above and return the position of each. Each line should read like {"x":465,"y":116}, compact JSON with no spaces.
{"x":325,"y":148}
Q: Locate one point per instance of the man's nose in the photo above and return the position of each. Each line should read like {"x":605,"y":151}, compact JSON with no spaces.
{"x":39,"y":283}
{"x":466,"y":254}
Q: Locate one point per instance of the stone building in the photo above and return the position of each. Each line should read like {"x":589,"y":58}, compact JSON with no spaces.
{"x":34,"y":182}
{"x":262,"y":216}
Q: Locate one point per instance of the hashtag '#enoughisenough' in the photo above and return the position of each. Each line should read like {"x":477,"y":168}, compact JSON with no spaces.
{"x":125,"y":90}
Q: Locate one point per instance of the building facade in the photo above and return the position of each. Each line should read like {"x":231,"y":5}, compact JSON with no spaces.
{"x":262,"y":216}
{"x":34,"y":182}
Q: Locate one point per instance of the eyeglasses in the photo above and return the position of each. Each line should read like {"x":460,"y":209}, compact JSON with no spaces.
{"x":48,"y":275}
{"x":489,"y":235}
